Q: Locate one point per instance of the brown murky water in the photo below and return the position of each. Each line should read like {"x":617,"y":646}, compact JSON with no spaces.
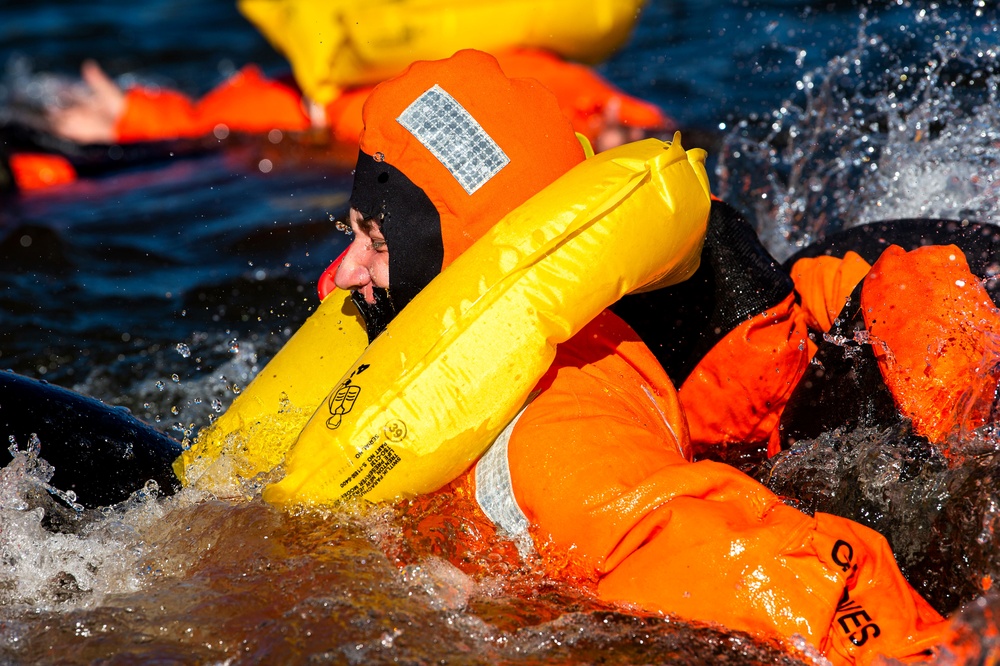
{"x":215,"y":582}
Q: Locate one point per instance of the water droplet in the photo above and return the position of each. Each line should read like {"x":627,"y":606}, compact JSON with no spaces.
{"x":159,"y":385}
{"x":183,"y":350}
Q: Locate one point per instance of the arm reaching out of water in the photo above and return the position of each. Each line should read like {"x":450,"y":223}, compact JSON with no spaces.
{"x":90,"y":117}
{"x":104,"y":113}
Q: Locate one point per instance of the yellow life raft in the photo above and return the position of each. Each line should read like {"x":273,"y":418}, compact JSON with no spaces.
{"x":431,"y":393}
{"x":334,"y":44}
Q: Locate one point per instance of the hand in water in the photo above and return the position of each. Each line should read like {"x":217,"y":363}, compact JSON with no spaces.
{"x":89,"y":117}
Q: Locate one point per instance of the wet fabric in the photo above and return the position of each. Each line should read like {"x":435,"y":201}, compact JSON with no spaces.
{"x":842,"y":386}
{"x":734,"y":337}
{"x":933,"y":330}
{"x":736,"y":394}
{"x":824,"y":285}
{"x":376,"y":315}
{"x":930,"y":332}
{"x":756,"y":386}
{"x":980,"y":242}
{"x":600,"y":467}
{"x":251,"y":102}
{"x":101,"y":454}
{"x":407,"y":219}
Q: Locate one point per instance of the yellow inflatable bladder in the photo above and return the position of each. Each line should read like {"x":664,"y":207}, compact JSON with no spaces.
{"x":430,"y":394}
{"x":334,"y":44}
{"x":255,"y":433}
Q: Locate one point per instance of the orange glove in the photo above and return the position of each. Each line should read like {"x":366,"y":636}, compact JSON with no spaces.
{"x":824,"y":285}
{"x":933,"y":329}
{"x":737,"y":392}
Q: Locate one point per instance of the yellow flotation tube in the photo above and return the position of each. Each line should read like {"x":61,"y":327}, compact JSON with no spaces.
{"x":430,"y":394}
{"x":334,"y":44}
{"x":254,"y":434}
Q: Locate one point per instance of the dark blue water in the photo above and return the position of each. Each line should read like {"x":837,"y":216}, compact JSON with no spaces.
{"x":159,"y":248}
{"x":164,"y":286}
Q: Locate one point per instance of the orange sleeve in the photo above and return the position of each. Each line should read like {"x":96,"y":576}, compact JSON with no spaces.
{"x":597,"y":464}
{"x":933,"y":328}
{"x":152,"y":114}
{"x":250,"y":102}
{"x":736,"y":393}
{"x":584,"y":97}
{"x":824,"y":284}
{"x":246,"y":102}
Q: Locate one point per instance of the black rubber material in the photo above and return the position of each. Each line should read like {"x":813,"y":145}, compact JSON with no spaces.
{"x":101,"y":453}
{"x":737,"y":280}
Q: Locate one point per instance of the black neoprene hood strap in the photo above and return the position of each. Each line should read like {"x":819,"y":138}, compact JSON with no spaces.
{"x":409,"y":222}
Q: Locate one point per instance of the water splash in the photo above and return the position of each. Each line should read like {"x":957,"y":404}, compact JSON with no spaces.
{"x":902,"y":125}
{"x":55,"y":554}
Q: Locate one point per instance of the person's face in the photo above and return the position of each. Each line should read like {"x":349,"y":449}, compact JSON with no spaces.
{"x":366,"y":264}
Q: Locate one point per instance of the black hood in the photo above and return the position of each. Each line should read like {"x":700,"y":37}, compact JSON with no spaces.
{"x":409,"y":222}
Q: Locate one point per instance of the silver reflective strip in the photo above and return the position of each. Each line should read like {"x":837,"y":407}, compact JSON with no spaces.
{"x":494,"y":491}
{"x":453,"y":136}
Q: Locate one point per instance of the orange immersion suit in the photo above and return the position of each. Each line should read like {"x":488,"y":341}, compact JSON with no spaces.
{"x":928,"y":319}
{"x":599,"y":466}
{"x":250,"y":102}
{"x":738,"y":390}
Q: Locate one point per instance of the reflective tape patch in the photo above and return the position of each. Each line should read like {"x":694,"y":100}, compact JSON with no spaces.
{"x":494,"y":490}
{"x":453,"y":136}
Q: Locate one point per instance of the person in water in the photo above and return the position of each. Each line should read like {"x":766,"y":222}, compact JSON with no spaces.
{"x":616,"y":530}
{"x":251,"y":103}
{"x":598,"y":468}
